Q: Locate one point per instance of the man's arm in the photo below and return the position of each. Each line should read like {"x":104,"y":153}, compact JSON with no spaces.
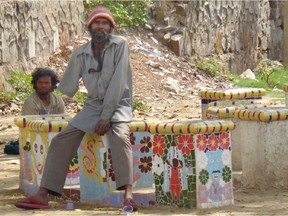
{"x":69,"y":83}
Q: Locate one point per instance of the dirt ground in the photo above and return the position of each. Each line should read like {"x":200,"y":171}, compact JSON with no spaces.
{"x":274,"y":202}
{"x":247,"y":202}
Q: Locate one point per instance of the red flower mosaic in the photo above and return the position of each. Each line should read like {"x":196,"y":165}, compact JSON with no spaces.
{"x":201,"y":142}
{"x":185,"y":144}
{"x":213,"y":142}
{"x":224,"y":141}
{"x":158,"y":145}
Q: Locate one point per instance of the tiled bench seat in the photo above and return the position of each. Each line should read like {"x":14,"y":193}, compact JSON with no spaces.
{"x":182,"y":164}
{"x":231,"y":94}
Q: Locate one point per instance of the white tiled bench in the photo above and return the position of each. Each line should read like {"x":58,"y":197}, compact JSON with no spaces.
{"x":264,"y":145}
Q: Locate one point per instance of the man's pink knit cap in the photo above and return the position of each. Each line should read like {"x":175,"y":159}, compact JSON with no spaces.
{"x":100,"y":12}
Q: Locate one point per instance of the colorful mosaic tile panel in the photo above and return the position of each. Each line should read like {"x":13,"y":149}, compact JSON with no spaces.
{"x":213,"y":170}
{"x":97,"y":182}
{"x":174,"y":170}
{"x":33,"y":150}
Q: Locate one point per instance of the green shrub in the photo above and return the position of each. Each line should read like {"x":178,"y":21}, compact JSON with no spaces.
{"x":6,"y":97}
{"x":139,"y":105}
{"x":212,"y":67}
{"x":127,"y":14}
{"x":280,"y":77}
{"x":21,"y":83}
{"x":265,"y":70}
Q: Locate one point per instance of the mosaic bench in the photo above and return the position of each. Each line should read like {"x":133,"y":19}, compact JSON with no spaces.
{"x":183,"y":164}
{"x":35,"y":134}
{"x":263,"y":139}
{"x":226,"y":110}
{"x":231,"y":94}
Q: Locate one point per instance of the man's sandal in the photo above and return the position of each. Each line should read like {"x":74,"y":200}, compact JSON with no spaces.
{"x":130,"y":202}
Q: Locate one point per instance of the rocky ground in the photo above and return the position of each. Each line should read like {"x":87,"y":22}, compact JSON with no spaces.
{"x":165,"y":88}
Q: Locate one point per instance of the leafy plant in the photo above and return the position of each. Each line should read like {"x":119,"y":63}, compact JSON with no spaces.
{"x":7,"y":96}
{"x":212,"y":67}
{"x":81,"y":97}
{"x":138,"y":105}
{"x":280,"y":77}
{"x":126,"y":13}
{"x":21,"y":82}
{"x":265,"y":71}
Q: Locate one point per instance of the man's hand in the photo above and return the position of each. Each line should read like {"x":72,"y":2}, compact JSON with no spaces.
{"x":102,"y":127}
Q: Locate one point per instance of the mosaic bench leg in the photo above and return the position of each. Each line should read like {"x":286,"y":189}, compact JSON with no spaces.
{"x":32,"y":160}
{"x":193,"y":170}
{"x":97,"y":181}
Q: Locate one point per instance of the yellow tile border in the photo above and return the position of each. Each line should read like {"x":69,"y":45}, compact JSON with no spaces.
{"x":232,"y":94}
{"x":228,"y":112}
{"x":22,"y":121}
{"x":228,"y":103}
{"x":196,"y":127}
{"x":192,"y":127}
{"x":139,"y":126}
{"x":263,"y":115}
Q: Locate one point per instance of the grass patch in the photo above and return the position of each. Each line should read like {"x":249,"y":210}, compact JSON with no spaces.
{"x":248,"y":83}
{"x":279,"y":77}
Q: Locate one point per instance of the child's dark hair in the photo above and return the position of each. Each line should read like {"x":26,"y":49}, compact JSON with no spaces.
{"x":39,"y":72}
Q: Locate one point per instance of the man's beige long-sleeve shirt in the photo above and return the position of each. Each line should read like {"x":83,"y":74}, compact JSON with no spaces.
{"x":109,"y":91}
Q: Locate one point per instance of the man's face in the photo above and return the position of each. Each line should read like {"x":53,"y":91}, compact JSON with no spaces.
{"x":100,"y":30}
{"x":44,"y":85}
{"x":101,"y":23}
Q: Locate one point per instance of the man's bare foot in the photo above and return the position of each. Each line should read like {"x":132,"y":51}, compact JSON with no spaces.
{"x":41,"y":196}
